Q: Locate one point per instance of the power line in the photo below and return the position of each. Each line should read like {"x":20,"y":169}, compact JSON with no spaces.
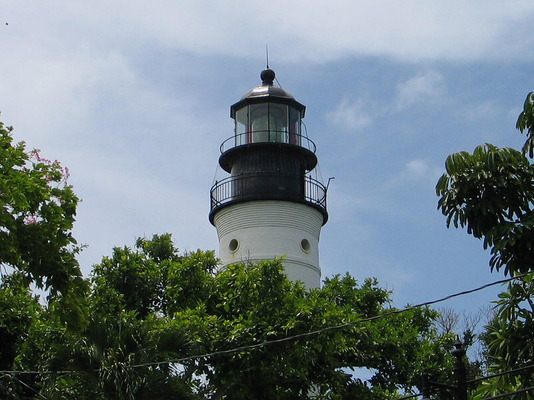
{"x":500,"y":396}
{"x":409,"y":396}
{"x":501,"y":373}
{"x":293,"y":337}
{"x":24,"y":384}
{"x":332,"y":328}
{"x":522,"y":368}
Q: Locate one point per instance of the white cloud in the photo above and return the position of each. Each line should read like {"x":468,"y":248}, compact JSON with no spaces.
{"x":57,"y":93}
{"x":315,"y":31}
{"x":417,"y":171}
{"x":351,"y":114}
{"x":426,"y":87}
{"x":483,"y":110}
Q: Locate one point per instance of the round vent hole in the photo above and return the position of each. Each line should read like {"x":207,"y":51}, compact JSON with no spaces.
{"x":233,"y":245}
{"x":305,"y":245}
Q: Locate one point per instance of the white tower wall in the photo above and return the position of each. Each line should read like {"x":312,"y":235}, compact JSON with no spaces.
{"x":268,"y":229}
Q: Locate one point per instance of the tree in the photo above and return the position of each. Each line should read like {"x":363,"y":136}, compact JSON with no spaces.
{"x":152,"y":278}
{"x":117,"y":352}
{"x":509,"y":340}
{"x":37,"y":212}
{"x":255,"y":307}
{"x":491,"y":193}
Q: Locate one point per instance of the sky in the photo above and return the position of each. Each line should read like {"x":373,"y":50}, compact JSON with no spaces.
{"x":133,"y":97}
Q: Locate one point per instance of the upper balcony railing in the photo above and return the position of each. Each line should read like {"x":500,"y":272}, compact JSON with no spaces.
{"x":267,"y":136}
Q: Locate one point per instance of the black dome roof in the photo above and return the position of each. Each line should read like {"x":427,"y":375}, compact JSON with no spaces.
{"x":267,"y":87}
{"x":267,"y":92}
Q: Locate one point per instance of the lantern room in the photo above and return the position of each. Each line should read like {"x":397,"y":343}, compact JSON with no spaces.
{"x":267,"y":114}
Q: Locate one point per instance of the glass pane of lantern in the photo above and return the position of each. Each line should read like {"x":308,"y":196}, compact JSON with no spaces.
{"x":278,"y":123}
{"x":259,"y":122}
{"x":241,"y":126}
{"x":294,"y":126}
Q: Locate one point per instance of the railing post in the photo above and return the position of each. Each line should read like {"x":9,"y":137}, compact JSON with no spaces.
{"x":460,"y":371}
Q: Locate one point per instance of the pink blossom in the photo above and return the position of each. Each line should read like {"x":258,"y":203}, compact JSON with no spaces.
{"x":30,"y":220}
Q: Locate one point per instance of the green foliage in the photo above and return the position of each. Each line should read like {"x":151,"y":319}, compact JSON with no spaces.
{"x":230,"y":329}
{"x":37,"y":210}
{"x":509,"y":340}
{"x":491,"y":193}
{"x":127,"y":281}
{"x":160,"y":248}
{"x":189,"y":280}
{"x":256,"y":305}
{"x":17,"y":311}
{"x":116,"y":359}
{"x":525,"y":122}
{"x":116,"y":354}
{"x":154,"y":277}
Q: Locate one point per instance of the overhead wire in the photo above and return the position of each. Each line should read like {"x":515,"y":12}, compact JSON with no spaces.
{"x":409,"y":396}
{"x":292,"y":337}
{"x":336,"y":327}
{"x":522,"y":368}
{"x":500,"y":396}
{"x":511,"y":371}
{"x":24,"y":384}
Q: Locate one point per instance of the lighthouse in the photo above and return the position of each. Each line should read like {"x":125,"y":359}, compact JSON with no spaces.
{"x":269,"y":205}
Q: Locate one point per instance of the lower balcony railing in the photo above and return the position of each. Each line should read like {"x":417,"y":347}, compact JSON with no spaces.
{"x":269,"y":186}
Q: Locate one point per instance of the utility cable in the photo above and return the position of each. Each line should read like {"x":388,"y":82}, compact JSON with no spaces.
{"x":25,"y":385}
{"x":409,"y":396}
{"x":500,"y":374}
{"x":332,"y":328}
{"x":484,"y":378}
{"x":500,"y":396}
{"x":297,"y":336}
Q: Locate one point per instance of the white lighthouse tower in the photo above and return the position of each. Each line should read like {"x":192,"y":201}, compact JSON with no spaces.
{"x":270,"y":206}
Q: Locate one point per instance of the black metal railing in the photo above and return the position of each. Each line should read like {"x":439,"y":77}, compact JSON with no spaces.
{"x":267,"y":136}
{"x":269,"y":186}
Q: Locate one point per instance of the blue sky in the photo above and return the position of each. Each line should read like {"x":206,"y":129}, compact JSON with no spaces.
{"x":134,"y":98}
